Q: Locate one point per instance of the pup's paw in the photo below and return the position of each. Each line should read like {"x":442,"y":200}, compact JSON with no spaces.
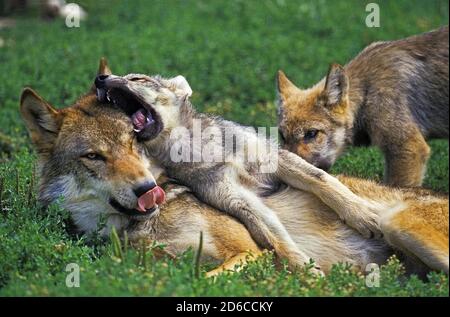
{"x":174,"y":190}
{"x":366,"y":223}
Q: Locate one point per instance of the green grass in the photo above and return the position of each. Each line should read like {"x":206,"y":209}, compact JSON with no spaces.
{"x":229,"y":51}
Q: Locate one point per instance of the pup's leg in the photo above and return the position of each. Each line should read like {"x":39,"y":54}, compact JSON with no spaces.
{"x":406,"y":160}
{"x":261,"y":221}
{"x":236,"y":262}
{"x":357,"y":212}
{"x":420,"y":229}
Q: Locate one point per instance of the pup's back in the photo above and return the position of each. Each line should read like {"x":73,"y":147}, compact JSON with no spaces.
{"x":415,"y":68}
{"x":393,"y":95}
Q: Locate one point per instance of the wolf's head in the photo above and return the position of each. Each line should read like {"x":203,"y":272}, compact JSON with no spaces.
{"x":88,"y":155}
{"x":152,"y":102}
{"x":314,"y":122}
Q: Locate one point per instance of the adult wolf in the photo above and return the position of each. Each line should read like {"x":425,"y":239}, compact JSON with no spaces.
{"x":88,"y":154}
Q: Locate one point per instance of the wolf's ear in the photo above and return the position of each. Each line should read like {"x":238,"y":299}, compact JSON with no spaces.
{"x":181,"y":86}
{"x":336,"y":85}
{"x":103,"y":68}
{"x":41,"y":120}
{"x":284,"y":86}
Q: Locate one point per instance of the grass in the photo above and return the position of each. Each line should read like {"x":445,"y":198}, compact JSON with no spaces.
{"x":229,"y":51}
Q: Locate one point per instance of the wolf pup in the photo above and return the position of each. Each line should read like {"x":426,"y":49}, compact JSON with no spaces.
{"x":393,"y":95}
{"x":160,"y":106}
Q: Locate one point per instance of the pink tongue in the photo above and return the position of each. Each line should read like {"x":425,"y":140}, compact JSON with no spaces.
{"x":154,"y":196}
{"x":139,"y":119}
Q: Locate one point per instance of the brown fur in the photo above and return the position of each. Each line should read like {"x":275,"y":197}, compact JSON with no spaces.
{"x":393,"y":95}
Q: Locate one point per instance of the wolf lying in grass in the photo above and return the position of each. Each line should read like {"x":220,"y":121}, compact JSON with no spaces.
{"x":88,"y":153}
{"x":393,"y":95}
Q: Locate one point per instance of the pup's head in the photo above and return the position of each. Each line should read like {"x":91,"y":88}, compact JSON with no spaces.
{"x":89,"y":155}
{"x":152,"y":102}
{"x":314,"y":122}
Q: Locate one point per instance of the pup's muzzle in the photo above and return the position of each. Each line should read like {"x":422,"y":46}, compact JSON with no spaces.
{"x":100,"y":84}
{"x":100,"y":81}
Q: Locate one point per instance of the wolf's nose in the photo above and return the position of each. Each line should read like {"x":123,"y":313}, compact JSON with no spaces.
{"x":143,"y":188}
{"x":100,"y":81}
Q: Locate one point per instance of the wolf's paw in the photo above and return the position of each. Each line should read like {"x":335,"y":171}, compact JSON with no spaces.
{"x":302,"y":262}
{"x":366,"y":223}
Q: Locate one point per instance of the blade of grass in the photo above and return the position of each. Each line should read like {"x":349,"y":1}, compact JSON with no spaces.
{"x":31,"y":189}
{"x":144,"y":255}
{"x":125,"y":243}
{"x":17,"y":181}
{"x":198,"y":256}
{"x":1,"y":193}
{"x":117,"y":245}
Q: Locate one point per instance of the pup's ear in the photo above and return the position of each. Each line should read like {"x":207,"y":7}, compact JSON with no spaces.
{"x":103,"y":68}
{"x":41,"y":119}
{"x":336,"y":85}
{"x":284,"y":86}
{"x":181,"y":86}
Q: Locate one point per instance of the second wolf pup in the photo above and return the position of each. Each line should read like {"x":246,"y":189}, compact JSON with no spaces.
{"x":158,"y":106}
{"x":393,"y":95}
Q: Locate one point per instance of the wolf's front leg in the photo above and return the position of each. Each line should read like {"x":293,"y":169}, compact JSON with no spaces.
{"x":356,"y":211}
{"x":261,"y":221}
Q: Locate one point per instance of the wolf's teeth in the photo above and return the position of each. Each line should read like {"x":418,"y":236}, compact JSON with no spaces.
{"x":100,"y":95}
{"x":107,"y":98}
{"x":137,"y":130}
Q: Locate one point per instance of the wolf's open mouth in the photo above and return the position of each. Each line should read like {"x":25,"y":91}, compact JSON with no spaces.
{"x":147,"y":122}
{"x":131,"y":212}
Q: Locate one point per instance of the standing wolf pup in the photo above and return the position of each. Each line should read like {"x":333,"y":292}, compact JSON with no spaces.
{"x":393,"y":95}
{"x":157,"y":106}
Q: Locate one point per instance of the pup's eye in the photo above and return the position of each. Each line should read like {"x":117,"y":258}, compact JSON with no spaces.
{"x":94,"y":156}
{"x":310,"y":134}
{"x":139,"y":79}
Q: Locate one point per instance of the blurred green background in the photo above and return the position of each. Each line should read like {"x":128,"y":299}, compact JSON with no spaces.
{"x":229,"y":50}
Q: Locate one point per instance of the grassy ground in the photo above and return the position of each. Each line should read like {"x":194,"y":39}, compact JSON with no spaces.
{"x":229,"y":51}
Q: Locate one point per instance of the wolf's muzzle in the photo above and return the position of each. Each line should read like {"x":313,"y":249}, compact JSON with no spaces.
{"x":143,"y":188}
{"x":131,"y":212}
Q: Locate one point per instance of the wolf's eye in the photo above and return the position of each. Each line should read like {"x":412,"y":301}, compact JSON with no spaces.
{"x":94,"y":156}
{"x":310,"y":135}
